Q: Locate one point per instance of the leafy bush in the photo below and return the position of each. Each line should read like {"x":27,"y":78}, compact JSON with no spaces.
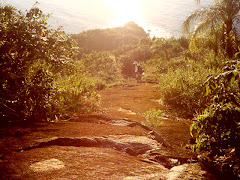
{"x":32,"y":59}
{"x":156,"y":48}
{"x":151,"y":68}
{"x":153,"y":118}
{"x":76,"y":93}
{"x":182,"y":87}
{"x":139,"y":54}
{"x":103,"y":68}
{"x":167,"y":48}
{"x":217,"y":130}
{"x":36,"y":92}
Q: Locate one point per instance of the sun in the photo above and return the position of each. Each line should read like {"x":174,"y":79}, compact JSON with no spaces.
{"x":124,"y":11}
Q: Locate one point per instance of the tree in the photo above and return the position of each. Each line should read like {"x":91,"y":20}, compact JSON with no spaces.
{"x":30,"y":57}
{"x":220,"y":15}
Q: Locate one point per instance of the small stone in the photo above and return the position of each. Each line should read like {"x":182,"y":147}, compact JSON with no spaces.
{"x":47,"y":165}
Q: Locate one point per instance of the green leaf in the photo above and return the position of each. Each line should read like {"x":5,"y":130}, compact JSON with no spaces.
{"x":208,"y":91}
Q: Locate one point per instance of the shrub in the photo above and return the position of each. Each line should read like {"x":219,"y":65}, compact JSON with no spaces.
{"x":76,"y":93}
{"x":182,"y":87}
{"x":217,"y":129}
{"x":103,"y":68}
{"x":153,"y":118}
{"x":31,"y":57}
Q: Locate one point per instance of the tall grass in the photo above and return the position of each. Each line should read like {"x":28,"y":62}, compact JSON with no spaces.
{"x":76,"y":93}
{"x":184,"y":87}
{"x":181,"y":81}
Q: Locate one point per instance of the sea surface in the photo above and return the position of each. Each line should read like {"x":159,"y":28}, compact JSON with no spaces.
{"x":162,"y":18}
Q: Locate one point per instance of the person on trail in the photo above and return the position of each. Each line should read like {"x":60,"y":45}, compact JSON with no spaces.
{"x":138,"y":71}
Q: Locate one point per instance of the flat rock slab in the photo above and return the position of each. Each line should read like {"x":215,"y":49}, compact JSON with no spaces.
{"x":97,"y":147}
{"x":121,"y":123}
{"x":132,"y":145}
{"x":188,"y":171}
{"x":68,"y":162}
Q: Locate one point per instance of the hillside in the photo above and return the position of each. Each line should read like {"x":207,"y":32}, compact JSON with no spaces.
{"x":109,"y":39}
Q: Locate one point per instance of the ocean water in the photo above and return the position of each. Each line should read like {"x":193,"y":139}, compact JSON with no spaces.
{"x":162,"y":18}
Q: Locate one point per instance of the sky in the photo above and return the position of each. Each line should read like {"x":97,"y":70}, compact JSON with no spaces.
{"x":162,"y":17}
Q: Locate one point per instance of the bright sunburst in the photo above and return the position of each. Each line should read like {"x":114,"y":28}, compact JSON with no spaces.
{"x":124,"y":11}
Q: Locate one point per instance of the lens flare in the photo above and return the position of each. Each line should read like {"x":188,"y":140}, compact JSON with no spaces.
{"x":124,"y":11}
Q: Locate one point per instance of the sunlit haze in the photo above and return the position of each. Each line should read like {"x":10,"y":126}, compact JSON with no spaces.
{"x":124,"y":11}
{"x":163,"y":17}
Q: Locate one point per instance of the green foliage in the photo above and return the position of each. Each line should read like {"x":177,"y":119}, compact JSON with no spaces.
{"x":153,"y":118}
{"x":109,"y":39}
{"x":32,"y":59}
{"x":139,"y":53}
{"x":181,"y":81}
{"x":182,"y":88}
{"x":123,"y":41}
{"x":216,"y":22}
{"x":76,"y":93}
{"x":167,"y":48}
{"x":103,"y":68}
{"x":147,"y":49}
{"x":35,"y":93}
{"x":217,"y":130}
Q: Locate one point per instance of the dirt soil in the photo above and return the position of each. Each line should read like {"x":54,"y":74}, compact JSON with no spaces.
{"x":109,"y":144}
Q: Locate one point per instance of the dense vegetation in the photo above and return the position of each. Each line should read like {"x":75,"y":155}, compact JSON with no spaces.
{"x":46,"y":73}
{"x":109,"y":39}
{"x":218,"y":128}
{"x":37,"y":65}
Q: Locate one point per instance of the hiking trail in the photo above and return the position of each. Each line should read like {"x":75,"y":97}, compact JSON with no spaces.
{"x":109,"y":144}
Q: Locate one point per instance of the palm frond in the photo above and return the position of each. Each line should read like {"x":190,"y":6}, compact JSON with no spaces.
{"x":200,"y":16}
{"x":203,"y":27}
{"x":190,"y":20}
{"x":209,"y":21}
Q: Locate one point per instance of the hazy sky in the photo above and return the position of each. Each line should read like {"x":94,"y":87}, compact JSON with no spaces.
{"x":162,"y":16}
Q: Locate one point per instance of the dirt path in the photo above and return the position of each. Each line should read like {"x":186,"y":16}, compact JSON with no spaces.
{"x":110,"y":144}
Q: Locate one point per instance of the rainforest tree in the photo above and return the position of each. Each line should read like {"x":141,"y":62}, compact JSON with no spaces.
{"x":216,"y":20}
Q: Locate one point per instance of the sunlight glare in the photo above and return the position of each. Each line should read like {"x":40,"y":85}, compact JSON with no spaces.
{"x":124,"y":11}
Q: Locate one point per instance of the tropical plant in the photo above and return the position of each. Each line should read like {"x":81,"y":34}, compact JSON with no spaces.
{"x":217,"y":129}
{"x":216,"y":19}
{"x":181,"y":82}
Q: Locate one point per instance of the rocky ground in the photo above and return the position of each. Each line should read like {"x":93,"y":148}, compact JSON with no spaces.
{"x":109,"y":144}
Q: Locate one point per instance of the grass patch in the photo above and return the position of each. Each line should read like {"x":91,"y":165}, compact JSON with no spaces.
{"x":153,"y":118}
